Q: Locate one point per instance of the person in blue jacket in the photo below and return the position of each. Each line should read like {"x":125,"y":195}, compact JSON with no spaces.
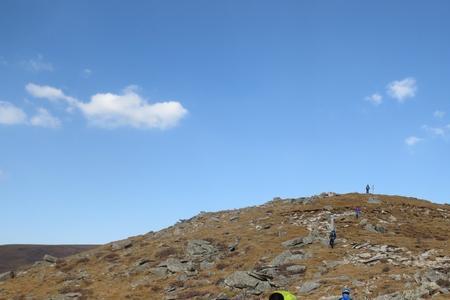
{"x":346,"y":294}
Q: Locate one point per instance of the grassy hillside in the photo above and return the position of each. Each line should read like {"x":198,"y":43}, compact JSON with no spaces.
{"x":397,"y":249}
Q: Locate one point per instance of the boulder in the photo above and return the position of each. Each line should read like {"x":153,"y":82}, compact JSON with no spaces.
{"x":286,"y":257}
{"x":50,"y":259}
{"x":123,"y":244}
{"x":200,"y":248}
{"x":308,"y":286}
{"x":241,"y":280}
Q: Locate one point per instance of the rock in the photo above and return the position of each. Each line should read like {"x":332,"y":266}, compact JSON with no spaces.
{"x":175,"y":265}
{"x":68,"y":296}
{"x":159,"y":271}
{"x":286,"y":257}
{"x":296,"y":269}
{"x":308,"y":286}
{"x":7,"y":275}
{"x":206,"y":265}
{"x":363,"y":222}
{"x":123,"y":244}
{"x":248,"y":280}
{"x":380,"y":229}
{"x":373,"y":200}
{"x":50,"y":259}
{"x":241,"y":280}
{"x":200,"y":248}
{"x":370,"y":227}
{"x":293,"y":243}
{"x":234,"y":218}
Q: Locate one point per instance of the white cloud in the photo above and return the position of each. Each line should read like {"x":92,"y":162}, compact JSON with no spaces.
{"x":412,"y":140}
{"x":44,"y":119}
{"x":441,"y":131}
{"x":87,"y":73}
{"x":110,"y":110}
{"x":49,"y":93}
{"x":37,"y":64}
{"x":439,"y":114}
{"x":129,"y":109}
{"x":376,"y":99}
{"x":402,"y":89}
{"x":11,"y":115}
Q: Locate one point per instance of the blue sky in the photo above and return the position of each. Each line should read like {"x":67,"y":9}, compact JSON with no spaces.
{"x":118,"y":117}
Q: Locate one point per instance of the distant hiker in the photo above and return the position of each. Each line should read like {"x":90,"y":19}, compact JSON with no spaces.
{"x":367,"y":189}
{"x":282,"y":295}
{"x":357,"y":212}
{"x":345,"y":294}
{"x":332,"y":237}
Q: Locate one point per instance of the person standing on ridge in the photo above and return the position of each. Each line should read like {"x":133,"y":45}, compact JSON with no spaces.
{"x":332,"y":237}
{"x":346,"y":294}
{"x":367,"y":189}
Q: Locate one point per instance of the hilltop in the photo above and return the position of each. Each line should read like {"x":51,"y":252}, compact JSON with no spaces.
{"x":397,"y":249}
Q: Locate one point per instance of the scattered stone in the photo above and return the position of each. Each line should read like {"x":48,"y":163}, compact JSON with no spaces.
{"x":374,"y":200}
{"x":308,"y":286}
{"x":50,"y":259}
{"x":7,"y":275}
{"x":200,"y":248}
{"x":123,"y":244}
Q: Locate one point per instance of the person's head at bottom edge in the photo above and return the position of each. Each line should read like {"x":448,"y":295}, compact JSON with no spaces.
{"x":276,"y":296}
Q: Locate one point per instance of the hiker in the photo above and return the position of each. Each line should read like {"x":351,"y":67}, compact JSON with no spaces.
{"x":367,"y":189}
{"x":346,"y":294}
{"x":357,"y":212}
{"x":282,"y":295}
{"x":332,"y":237}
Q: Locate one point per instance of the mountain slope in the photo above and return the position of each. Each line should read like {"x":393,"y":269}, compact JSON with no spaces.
{"x":397,"y":249}
{"x":14,"y":256}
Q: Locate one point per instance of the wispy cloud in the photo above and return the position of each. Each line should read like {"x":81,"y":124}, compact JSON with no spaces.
{"x":439,"y":131}
{"x":401,"y":90}
{"x":376,"y":99}
{"x":37,"y":64}
{"x":11,"y":114}
{"x":87,"y":73}
{"x":412,"y":140}
{"x":439,"y":114}
{"x":109,"y":110}
{"x":49,"y":93}
{"x":44,"y":119}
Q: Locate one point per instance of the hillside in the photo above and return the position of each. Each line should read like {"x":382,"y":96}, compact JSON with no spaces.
{"x":14,"y":256}
{"x":397,"y":249}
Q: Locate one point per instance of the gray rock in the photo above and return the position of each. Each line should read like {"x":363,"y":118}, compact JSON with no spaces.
{"x":175,"y":265}
{"x":206,"y":265}
{"x":241,"y":280}
{"x":296,"y":269}
{"x":123,"y":244}
{"x":201,"y":248}
{"x":159,"y":271}
{"x":374,"y":200}
{"x":370,"y":227}
{"x":293,"y":243}
{"x":6,"y":275}
{"x":50,"y":259}
{"x":286,"y":257}
{"x":309,"y":286}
